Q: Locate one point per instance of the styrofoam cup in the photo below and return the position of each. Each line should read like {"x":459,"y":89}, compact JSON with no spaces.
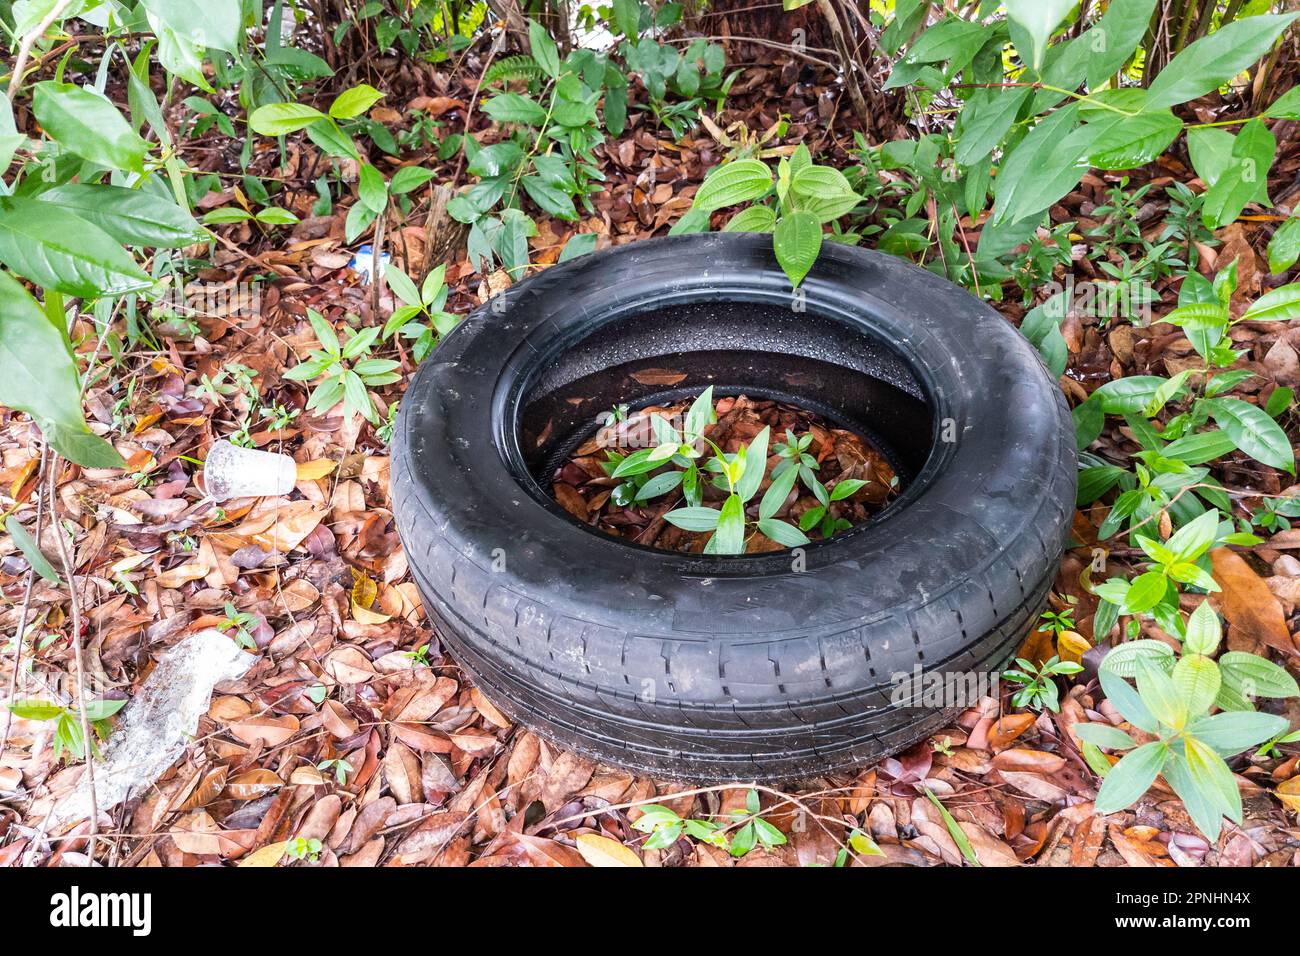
{"x":230,"y":471}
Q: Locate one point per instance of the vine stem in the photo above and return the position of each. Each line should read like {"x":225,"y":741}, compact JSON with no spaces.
{"x":28,"y":41}
{"x":68,"y":574}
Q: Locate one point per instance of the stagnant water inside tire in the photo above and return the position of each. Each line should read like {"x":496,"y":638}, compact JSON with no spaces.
{"x":893,"y":424}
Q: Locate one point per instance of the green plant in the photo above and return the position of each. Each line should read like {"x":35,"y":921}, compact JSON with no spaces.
{"x":237,"y":624}
{"x":427,"y":303}
{"x":666,"y":827}
{"x":794,"y":456}
{"x":1172,"y":702}
{"x":67,"y":728}
{"x":1029,"y":126}
{"x":1057,"y":622}
{"x":1038,"y":685}
{"x":803,"y":198}
{"x":340,"y":767}
{"x":345,"y":368}
{"x":308,"y":849}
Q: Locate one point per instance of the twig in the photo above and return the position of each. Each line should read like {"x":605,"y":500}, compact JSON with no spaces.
{"x":21,"y":632}
{"x":68,"y":575}
{"x":28,"y":41}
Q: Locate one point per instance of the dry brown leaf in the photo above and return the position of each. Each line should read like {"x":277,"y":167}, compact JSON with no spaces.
{"x":1247,"y":602}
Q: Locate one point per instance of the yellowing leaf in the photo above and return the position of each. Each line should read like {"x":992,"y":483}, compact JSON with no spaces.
{"x":364,"y":591}
{"x":600,"y":850}
{"x":316,"y":469}
{"x":269,"y":855}
{"x":1071,"y":646}
{"x":1288,"y":791}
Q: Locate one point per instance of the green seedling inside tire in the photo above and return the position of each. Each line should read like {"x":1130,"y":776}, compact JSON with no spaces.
{"x":738,"y":474}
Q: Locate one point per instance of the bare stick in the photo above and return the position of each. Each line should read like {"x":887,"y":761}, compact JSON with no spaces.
{"x":27,"y":600}
{"x":68,"y":575}
{"x":25,"y":46}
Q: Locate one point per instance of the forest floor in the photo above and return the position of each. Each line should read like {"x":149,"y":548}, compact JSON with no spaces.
{"x":345,"y":731}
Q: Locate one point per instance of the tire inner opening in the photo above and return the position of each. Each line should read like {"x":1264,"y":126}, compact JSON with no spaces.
{"x":759,"y":349}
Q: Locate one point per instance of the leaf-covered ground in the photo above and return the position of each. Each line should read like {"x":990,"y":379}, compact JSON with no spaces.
{"x":354,"y":727}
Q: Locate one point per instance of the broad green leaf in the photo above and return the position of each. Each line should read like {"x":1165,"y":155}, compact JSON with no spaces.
{"x":777,"y":492}
{"x":179,"y":55}
{"x":752,"y":219}
{"x":58,"y":250}
{"x":1131,"y":777}
{"x":87,"y":123}
{"x":1213,"y":60}
{"x":1160,"y":694}
{"x":755,"y":465}
{"x":1127,"y":142}
{"x":280,"y":119}
{"x":1146,"y":592}
{"x":372,"y":190}
{"x":1232,"y":732}
{"x":515,"y":108}
{"x":1253,"y":676}
{"x":1042,"y":168}
{"x":35,"y":709}
{"x":408,"y":178}
{"x":1203,"y":630}
{"x":81,"y":445}
{"x":275,"y":216}
{"x":952,"y":39}
{"x":1194,"y":538}
{"x":1200,"y":447}
{"x":1032,"y":24}
{"x":1244,"y":178}
{"x":226,"y":214}
{"x":402,"y":285}
{"x":1114,"y":38}
{"x":1124,"y":395}
{"x":1255,"y":433}
{"x":796,"y":240}
{"x":331,"y":139}
{"x":1202,"y":806}
{"x":543,"y":49}
{"x":355,"y":101}
{"x":38,"y":375}
{"x":1197,"y":679}
{"x":732,"y":183}
{"x":1127,"y":700}
{"x":131,"y":216}
{"x":1104,"y":735}
{"x":1211,"y":776}
{"x":699,"y":416}
{"x":1284,"y":247}
{"x":730,"y":536}
{"x":1286,"y":106}
{"x":782,"y":533}
{"x":216,"y":25}
{"x":985,"y":120}
{"x":550,"y":198}
{"x":693,"y":519}
{"x":1280,"y":305}
{"x":27,"y":545}
{"x":578,"y":245}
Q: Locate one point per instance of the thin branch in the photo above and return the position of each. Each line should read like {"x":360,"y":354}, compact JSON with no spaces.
{"x":28,"y":41}
{"x":69,"y":577}
{"x":21,"y":631}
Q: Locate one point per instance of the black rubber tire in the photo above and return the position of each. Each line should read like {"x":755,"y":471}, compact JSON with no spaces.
{"x":735,"y":668}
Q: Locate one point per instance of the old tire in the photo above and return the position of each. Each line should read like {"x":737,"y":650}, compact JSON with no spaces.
{"x":745,"y":667}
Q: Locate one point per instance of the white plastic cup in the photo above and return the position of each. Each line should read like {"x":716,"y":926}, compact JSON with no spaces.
{"x":230,"y":471}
